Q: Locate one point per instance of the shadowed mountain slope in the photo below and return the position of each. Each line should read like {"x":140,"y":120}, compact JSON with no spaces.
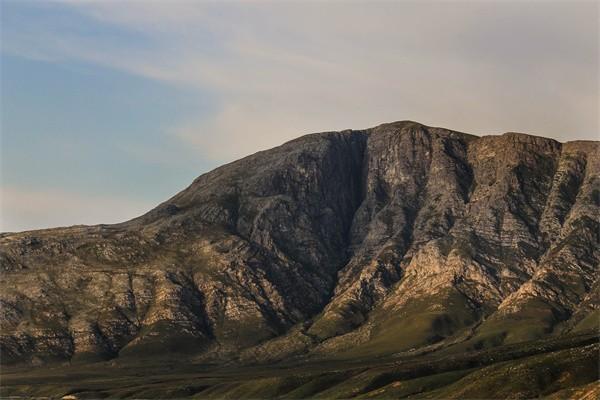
{"x":337,"y":245}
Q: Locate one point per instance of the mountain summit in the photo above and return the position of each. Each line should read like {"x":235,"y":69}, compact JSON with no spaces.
{"x":398,"y":240}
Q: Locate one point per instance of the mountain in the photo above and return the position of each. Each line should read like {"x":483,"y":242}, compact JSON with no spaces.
{"x":398,"y":241}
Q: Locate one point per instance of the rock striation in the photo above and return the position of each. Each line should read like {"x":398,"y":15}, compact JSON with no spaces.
{"x":336,"y":244}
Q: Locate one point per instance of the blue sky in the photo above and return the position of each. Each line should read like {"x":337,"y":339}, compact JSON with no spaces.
{"x":109,"y":108}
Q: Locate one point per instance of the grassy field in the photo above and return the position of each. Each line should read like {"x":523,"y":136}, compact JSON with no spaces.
{"x":567,"y":364}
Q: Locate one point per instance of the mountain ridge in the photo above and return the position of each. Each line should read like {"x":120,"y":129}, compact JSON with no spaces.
{"x":366,"y":130}
{"x":578,"y":141}
{"x":335,"y":244}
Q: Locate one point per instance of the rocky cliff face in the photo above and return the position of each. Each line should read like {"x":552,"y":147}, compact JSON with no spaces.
{"x":336,"y":244}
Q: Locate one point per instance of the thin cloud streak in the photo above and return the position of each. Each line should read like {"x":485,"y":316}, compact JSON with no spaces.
{"x":281,"y":70}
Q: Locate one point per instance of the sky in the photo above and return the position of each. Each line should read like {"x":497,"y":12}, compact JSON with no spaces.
{"x":109,"y":108}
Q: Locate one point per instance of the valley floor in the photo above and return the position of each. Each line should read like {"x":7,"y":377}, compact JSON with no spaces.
{"x":554,"y":368}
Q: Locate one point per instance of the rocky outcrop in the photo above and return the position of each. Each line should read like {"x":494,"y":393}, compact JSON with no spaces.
{"x":382,"y":240}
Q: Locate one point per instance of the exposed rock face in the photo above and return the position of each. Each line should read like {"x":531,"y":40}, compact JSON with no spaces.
{"x":385,"y":239}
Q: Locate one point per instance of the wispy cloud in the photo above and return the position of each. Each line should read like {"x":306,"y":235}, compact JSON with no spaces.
{"x":280,"y":70}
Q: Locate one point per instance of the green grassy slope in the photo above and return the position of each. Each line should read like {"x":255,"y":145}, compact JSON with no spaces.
{"x":530,"y":369}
